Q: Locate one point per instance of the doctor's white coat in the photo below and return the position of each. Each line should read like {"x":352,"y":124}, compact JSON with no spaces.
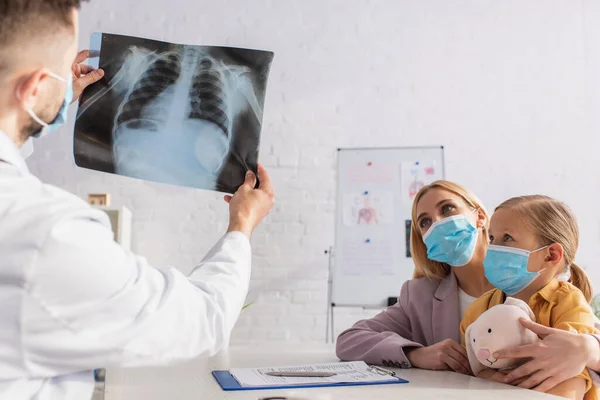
{"x":72,"y":300}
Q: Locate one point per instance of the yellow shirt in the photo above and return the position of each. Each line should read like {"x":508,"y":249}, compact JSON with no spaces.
{"x":558,"y":305}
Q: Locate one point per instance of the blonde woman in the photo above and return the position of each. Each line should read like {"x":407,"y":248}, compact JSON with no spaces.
{"x":449,"y":240}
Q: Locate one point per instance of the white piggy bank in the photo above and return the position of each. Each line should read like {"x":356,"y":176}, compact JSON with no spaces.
{"x":496,"y":329}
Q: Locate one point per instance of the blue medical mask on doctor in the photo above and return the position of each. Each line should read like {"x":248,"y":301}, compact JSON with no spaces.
{"x":62,"y":115}
{"x":506,"y":268}
{"x":452,"y":240}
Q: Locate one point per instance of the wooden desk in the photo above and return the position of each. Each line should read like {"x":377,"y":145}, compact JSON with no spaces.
{"x":193,"y":380}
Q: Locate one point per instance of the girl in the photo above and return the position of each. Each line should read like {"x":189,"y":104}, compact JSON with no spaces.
{"x":533,"y":240}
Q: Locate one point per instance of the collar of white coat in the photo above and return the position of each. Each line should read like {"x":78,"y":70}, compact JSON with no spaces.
{"x":9,"y":153}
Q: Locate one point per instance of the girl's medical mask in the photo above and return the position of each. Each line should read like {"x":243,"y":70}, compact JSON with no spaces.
{"x":452,"y":240}
{"x":506,"y":268}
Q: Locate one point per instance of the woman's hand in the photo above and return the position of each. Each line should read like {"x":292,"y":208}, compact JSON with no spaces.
{"x":443,"y":355}
{"x":498,"y":376}
{"x":559,"y":356}
{"x":493,"y":375}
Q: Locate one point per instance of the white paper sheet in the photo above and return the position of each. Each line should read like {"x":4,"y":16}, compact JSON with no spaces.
{"x":371,"y":257}
{"x":368,"y":208}
{"x":347,"y":372}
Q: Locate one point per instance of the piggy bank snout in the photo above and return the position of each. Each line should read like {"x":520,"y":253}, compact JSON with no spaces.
{"x":483,"y":354}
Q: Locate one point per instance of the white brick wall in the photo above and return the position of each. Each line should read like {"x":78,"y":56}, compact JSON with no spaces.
{"x":509,"y":87}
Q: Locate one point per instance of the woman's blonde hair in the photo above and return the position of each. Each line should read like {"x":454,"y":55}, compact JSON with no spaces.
{"x":554,"y":222}
{"x":424,"y":267}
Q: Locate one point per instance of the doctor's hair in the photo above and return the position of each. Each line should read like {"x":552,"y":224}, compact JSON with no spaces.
{"x":424,"y":267}
{"x":554,"y":222}
{"x":33,"y":21}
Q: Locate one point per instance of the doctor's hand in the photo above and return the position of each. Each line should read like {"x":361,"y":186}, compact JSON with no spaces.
{"x":559,"y":356}
{"x":248,"y":206}
{"x":83,"y":75}
{"x":446,"y":354}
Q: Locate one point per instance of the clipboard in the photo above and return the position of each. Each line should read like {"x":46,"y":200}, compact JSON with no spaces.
{"x":228,"y":383}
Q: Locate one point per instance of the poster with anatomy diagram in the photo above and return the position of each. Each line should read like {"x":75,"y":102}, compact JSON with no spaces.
{"x":368,"y":208}
{"x":415,"y":175}
{"x":374,"y":197}
{"x":178,"y":114}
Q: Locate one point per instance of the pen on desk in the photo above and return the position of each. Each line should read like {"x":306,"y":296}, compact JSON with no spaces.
{"x":302,"y":374}
{"x":382,"y":371}
{"x":282,"y":398}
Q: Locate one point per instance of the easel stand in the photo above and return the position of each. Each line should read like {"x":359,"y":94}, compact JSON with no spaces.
{"x":330,"y":305}
{"x":370,"y":256}
{"x":329,"y":327}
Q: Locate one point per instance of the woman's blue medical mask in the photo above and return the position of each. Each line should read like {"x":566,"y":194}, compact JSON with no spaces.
{"x":452,"y":240}
{"x":506,"y":268}
{"x":61,"y":117}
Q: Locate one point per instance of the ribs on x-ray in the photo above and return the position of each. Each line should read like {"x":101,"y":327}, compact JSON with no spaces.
{"x":175,"y":121}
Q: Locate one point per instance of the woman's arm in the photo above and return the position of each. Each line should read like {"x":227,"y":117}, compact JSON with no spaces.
{"x":381,"y":339}
{"x":387,"y":339}
{"x":564,"y":350}
{"x":559,"y":356}
{"x":492,"y":375}
{"x":573,"y":388}
{"x":594,"y":363}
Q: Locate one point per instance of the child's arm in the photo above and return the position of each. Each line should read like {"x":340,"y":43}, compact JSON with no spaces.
{"x":573,"y":388}
{"x":576,"y":316}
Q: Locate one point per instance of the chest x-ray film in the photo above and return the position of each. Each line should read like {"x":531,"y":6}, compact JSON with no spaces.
{"x":178,"y":114}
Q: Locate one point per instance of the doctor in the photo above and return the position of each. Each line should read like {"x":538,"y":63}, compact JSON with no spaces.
{"x":71,"y":299}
